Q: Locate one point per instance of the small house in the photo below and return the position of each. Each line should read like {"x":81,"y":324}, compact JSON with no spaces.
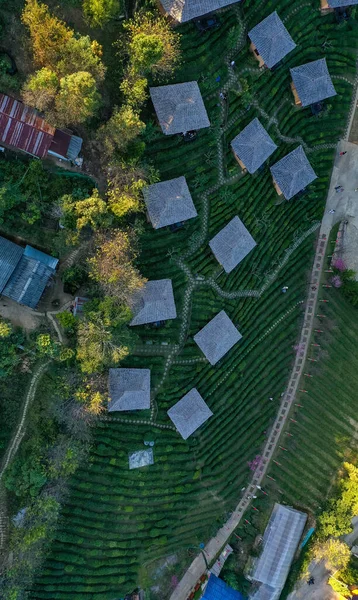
{"x":217,"y":337}
{"x":292,"y":174}
{"x":129,"y":389}
{"x":186,"y":10}
{"x":169,"y":202}
{"x":179,"y":107}
{"x":311,"y":83}
{"x":189,"y":413}
{"x":23,"y":128}
{"x":330,"y":5}
{"x":253,"y":146}
{"x":232,"y":244}
{"x":24,"y":272}
{"x":154,"y":303}
{"x":270,"y":41}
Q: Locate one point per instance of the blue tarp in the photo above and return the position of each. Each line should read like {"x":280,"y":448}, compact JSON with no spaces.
{"x":217,"y":589}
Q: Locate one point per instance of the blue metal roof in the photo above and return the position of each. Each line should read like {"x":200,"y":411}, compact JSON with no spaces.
{"x":28,"y":281}
{"x":10,"y":255}
{"x":293,"y":173}
{"x":253,"y":145}
{"x":313,"y":82}
{"x":272,"y":39}
{"x":217,"y":589}
{"x":43,"y":258}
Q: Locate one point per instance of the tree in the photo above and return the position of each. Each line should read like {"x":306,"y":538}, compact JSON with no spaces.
{"x":41,"y":88}
{"x":121,"y":130}
{"x":85,"y":212}
{"x":10,"y":196}
{"x":5,"y":329}
{"x":81,"y":54}
{"x":97,"y":347}
{"x":98,"y":12}
{"x":134,"y":89}
{"x":337,"y":520}
{"x":334,"y":553}
{"x":48,"y":34}
{"x":78,"y":98}
{"x":152,"y":46}
{"x":113,"y":265}
{"x":125,"y":185}
{"x":341,"y":588}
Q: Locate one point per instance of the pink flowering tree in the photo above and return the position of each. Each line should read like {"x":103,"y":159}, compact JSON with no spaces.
{"x":253,"y":464}
{"x":336,"y":281}
{"x":339,"y":264}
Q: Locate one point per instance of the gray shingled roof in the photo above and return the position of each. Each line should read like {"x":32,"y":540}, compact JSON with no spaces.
{"x":280,"y":541}
{"x":232,"y":244}
{"x":155,"y":302}
{"x":169,"y":202}
{"x":253,"y":145}
{"x":293,"y":173}
{"x":179,"y":107}
{"x":217,"y":337}
{"x":189,"y":413}
{"x":10,"y":255}
{"x":129,"y":389}
{"x":341,"y":3}
{"x":313,"y":82}
{"x":185,"y":10}
{"x":272,"y":39}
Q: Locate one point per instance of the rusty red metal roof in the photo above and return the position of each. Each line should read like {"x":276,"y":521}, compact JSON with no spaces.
{"x":23,"y":128}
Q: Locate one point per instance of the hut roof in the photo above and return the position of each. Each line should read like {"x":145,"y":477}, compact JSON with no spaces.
{"x":341,"y":3}
{"x":185,"y":10}
{"x":272,"y":39}
{"x":155,"y":302}
{"x":129,"y":389}
{"x":24,"y":274}
{"x":280,"y":542}
{"x":232,"y":244}
{"x":293,"y":173}
{"x":217,"y":337}
{"x":313,"y":82}
{"x":169,"y":202}
{"x":253,"y":145}
{"x":189,"y":413}
{"x":179,"y":107}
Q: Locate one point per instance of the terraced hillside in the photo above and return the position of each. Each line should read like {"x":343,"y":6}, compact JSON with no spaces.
{"x":117,"y":523}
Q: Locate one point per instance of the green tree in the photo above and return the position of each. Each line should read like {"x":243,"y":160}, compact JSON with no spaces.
{"x":81,"y":54}
{"x":5,"y":329}
{"x":40,"y":89}
{"x":10,"y":196}
{"x":48,"y":34}
{"x":337,"y":519}
{"x":151,"y":45}
{"x":121,"y":130}
{"x":98,"y":12}
{"x":113,"y":265}
{"x":334,"y":553}
{"x":85,"y":212}
{"x":339,"y":587}
{"x":78,"y":98}
{"x":98,"y":346}
{"x":134,"y":89}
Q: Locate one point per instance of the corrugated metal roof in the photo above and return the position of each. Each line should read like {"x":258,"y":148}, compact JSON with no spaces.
{"x":272,"y":39}
{"x":280,"y":542}
{"x":23,"y":128}
{"x":217,"y":589}
{"x":28,"y":281}
{"x":10,"y":255}
{"x":45,"y":259}
{"x":75,"y":147}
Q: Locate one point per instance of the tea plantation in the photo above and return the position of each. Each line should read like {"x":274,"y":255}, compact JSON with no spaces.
{"x":117,"y":524}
